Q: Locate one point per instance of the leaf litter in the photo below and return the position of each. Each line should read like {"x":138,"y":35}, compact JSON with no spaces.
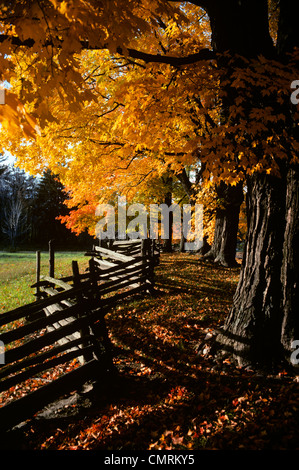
{"x":166,"y":396}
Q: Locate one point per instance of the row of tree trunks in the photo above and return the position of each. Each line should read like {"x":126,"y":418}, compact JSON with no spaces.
{"x":252,"y":330}
{"x":263,"y":324}
{"x":263,"y":321}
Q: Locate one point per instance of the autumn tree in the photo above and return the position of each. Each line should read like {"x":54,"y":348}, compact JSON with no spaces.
{"x":259,"y":329}
{"x":214,"y":59}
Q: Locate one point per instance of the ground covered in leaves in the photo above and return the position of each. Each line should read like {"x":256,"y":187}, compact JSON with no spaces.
{"x":165,"y":397}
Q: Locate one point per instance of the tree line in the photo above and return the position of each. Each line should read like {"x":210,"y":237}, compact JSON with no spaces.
{"x":30,"y":208}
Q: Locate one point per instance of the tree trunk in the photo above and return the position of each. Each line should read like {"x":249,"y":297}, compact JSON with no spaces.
{"x":290,"y":265}
{"x":263,"y":319}
{"x":182,"y":242}
{"x":252,"y":330}
{"x":168,"y":242}
{"x":287,"y":39}
{"x":223,"y":250}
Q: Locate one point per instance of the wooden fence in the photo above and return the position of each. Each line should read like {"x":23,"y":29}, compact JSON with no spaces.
{"x":67,"y":323}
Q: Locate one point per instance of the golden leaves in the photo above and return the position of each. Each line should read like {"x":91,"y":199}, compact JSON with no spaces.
{"x":13,"y":116}
{"x":110,"y":124}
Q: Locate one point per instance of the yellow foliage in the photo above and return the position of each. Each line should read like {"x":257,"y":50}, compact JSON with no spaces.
{"x":109,"y":124}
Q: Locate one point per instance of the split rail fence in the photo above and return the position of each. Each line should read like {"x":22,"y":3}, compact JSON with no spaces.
{"x":66,"y":322}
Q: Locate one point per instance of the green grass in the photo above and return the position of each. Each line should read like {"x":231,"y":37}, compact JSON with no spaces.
{"x":17,"y":274}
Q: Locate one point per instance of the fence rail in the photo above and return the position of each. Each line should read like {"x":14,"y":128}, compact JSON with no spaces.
{"x":67,"y":323}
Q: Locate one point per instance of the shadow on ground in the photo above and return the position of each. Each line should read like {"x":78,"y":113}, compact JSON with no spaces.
{"x":164,"y":396}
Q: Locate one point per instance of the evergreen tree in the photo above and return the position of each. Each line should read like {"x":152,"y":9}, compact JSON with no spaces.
{"x":47,"y":207}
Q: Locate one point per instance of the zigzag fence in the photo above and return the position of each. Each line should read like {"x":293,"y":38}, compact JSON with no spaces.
{"x":67,"y":323}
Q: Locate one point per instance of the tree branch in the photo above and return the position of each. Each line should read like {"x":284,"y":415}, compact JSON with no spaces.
{"x":205,"y":4}
{"x":204,"y":54}
{"x":186,"y":183}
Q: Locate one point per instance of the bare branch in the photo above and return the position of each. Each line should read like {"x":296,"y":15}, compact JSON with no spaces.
{"x":204,"y":54}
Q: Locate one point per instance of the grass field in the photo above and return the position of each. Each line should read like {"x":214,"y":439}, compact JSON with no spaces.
{"x":17,"y":274}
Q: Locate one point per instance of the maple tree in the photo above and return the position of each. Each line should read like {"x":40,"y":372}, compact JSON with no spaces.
{"x":212,"y":73}
{"x":123,"y":128}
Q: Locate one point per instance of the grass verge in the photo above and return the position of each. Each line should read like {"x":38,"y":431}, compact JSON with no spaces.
{"x":17,"y":274}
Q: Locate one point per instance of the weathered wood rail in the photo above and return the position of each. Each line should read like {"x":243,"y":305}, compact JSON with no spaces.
{"x":67,"y":323}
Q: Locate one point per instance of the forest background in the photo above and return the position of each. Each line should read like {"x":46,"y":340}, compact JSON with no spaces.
{"x":29,"y":211}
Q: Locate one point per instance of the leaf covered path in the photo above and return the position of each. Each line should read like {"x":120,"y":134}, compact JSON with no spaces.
{"x":165,"y":397}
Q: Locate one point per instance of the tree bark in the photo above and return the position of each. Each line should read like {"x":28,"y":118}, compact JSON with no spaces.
{"x":252,"y":330}
{"x":167,"y":247}
{"x":287,"y":39}
{"x":290,"y":265}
